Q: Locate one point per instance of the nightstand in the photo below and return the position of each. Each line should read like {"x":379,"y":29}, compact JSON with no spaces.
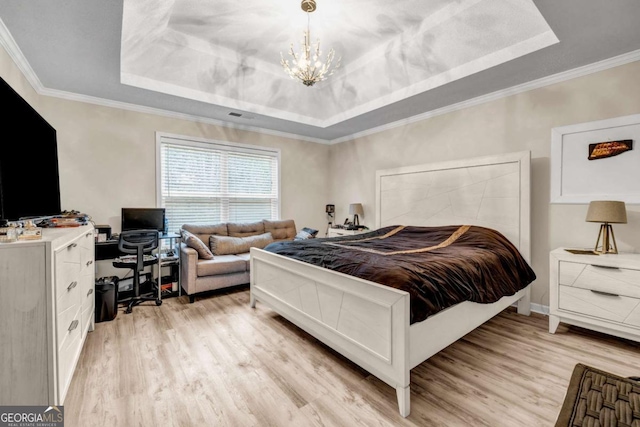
{"x":599,"y":292}
{"x":337,"y":232}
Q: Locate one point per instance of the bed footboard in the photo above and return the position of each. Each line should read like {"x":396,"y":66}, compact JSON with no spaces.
{"x":366,"y":322}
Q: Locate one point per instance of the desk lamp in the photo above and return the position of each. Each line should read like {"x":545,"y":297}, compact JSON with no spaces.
{"x":607,"y":212}
{"x":356,"y":209}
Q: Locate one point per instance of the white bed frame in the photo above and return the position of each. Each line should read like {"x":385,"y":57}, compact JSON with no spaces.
{"x":369,"y":323}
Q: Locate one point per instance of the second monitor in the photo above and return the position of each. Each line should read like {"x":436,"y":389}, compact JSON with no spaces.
{"x":143,"y":219}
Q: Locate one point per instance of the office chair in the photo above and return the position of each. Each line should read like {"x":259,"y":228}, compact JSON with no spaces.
{"x":138,"y":242}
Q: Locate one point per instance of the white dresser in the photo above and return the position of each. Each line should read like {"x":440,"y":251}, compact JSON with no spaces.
{"x":46,"y":310}
{"x":599,"y":292}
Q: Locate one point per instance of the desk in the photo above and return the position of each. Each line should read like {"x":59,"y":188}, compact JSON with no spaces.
{"x":109,"y":251}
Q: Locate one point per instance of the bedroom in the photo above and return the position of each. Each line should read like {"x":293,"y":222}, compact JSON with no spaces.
{"x":66,"y":64}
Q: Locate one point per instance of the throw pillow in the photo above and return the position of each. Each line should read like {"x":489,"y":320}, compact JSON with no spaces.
{"x":225,"y":245}
{"x":192,"y":241}
{"x":306,"y":233}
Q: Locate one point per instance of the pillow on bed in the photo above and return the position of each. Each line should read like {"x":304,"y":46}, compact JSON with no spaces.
{"x":306,"y":233}
{"x":194,"y":242}
{"x":225,"y":245}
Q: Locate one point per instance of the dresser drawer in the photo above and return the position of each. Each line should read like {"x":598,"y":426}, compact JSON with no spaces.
{"x":87,"y":291}
{"x":68,"y":325}
{"x":67,"y":267}
{"x":87,"y":248}
{"x":88,"y":300}
{"x":620,"y":281}
{"x":87,"y":314}
{"x":71,"y":295}
{"x":67,"y":357}
{"x":615,"y":308}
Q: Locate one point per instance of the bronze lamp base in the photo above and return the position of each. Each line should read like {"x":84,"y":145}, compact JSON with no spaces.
{"x":608,"y":240}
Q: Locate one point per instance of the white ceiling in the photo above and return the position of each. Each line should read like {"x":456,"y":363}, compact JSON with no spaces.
{"x":227,"y":52}
{"x":75,"y":49}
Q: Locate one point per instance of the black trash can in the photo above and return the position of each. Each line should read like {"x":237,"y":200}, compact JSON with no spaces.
{"x":106,"y":299}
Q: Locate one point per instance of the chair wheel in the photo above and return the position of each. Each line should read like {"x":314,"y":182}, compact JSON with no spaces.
{"x":158,"y":302}
{"x":128,"y":311}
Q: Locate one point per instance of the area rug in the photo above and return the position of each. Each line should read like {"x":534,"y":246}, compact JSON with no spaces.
{"x":598,"y":398}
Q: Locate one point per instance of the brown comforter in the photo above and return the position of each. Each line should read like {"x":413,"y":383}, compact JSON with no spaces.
{"x":438,"y":266}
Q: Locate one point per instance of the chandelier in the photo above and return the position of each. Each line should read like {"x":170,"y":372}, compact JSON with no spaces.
{"x":307,"y":65}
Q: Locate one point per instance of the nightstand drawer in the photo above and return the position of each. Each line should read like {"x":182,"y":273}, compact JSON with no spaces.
{"x":620,"y":281}
{"x":342,"y":232}
{"x":616,"y":308}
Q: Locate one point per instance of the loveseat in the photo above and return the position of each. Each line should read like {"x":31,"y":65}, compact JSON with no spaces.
{"x":228,"y":269}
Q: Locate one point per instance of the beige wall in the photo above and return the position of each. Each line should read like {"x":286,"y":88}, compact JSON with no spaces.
{"x":516,"y":123}
{"x":107,"y":156}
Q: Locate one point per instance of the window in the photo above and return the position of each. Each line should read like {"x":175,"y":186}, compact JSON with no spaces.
{"x":209,"y":182}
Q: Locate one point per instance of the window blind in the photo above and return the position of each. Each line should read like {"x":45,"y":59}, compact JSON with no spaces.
{"x":206,"y":183}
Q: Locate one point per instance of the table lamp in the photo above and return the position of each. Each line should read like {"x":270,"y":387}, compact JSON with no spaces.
{"x":356,"y":209}
{"x":607,"y":212}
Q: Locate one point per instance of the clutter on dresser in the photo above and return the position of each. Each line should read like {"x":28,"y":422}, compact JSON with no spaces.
{"x":8,"y":233}
{"x":20,"y":230}
{"x":29,"y":232}
{"x":66,"y":219}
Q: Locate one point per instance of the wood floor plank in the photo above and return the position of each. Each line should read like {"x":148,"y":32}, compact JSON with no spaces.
{"x":219,"y":362}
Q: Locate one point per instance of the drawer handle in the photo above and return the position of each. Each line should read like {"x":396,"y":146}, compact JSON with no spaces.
{"x":72,"y":285}
{"x":605,"y":266}
{"x":71,"y":246}
{"x":89,"y":263}
{"x":90,"y":292}
{"x":608,"y":294}
{"x":73,"y":325}
{"x":88,"y":234}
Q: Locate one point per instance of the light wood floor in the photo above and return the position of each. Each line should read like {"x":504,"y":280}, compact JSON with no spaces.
{"x":219,"y":363}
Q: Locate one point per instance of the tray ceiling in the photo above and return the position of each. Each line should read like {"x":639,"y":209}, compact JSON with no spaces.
{"x":227,"y":52}
{"x":444,"y":52}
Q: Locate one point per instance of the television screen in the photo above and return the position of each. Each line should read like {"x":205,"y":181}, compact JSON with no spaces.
{"x":29,"y":181}
{"x":143,"y":219}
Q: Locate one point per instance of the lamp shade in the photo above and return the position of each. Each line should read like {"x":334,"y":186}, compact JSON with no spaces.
{"x":607,"y":211}
{"x":356,"y":209}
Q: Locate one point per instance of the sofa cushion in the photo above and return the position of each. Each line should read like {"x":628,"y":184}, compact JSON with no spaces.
{"x":223,"y":264}
{"x":226,"y":245}
{"x":247,"y":258}
{"x":245,"y":229}
{"x":306,"y":233}
{"x":281,"y":230}
{"x":204,"y":231}
{"x":192,"y":241}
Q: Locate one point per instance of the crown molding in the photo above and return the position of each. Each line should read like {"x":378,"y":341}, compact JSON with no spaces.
{"x":70,"y":96}
{"x":8,"y":42}
{"x":585,"y":70}
{"x":10,"y":45}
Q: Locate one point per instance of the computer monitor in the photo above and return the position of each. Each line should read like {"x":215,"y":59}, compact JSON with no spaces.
{"x":143,"y":219}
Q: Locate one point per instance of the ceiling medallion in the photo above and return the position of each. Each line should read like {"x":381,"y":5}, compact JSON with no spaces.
{"x":307,"y":66}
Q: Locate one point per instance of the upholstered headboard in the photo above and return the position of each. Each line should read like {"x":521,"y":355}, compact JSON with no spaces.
{"x":492,"y":192}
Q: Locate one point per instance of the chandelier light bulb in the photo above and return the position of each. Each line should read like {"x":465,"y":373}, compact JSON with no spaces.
{"x":308,"y":66}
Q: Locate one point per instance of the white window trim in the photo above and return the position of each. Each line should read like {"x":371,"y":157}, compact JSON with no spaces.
{"x":192,"y":141}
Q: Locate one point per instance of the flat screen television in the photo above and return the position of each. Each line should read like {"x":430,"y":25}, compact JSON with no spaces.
{"x":143,"y":219}
{"x":29,"y":180}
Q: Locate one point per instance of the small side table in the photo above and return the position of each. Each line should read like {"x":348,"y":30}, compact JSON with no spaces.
{"x":598,"y":292}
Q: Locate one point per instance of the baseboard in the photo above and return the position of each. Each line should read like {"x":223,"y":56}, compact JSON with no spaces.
{"x":536,"y":308}
{"x":539,"y":308}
